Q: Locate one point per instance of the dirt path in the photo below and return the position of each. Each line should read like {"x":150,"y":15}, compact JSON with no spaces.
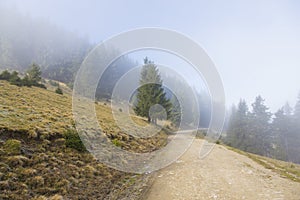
{"x":223,"y":174}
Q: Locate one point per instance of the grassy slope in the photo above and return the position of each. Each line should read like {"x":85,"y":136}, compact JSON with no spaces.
{"x":285,"y":169}
{"x":42,"y":166}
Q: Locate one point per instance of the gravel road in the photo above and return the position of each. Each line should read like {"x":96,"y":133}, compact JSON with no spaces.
{"x":223,"y":174}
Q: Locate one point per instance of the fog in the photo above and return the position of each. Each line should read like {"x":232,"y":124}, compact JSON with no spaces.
{"x":255,"y":45}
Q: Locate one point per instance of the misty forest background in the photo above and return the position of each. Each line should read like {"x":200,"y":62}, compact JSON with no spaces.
{"x":59,"y":54}
{"x":259,"y":131}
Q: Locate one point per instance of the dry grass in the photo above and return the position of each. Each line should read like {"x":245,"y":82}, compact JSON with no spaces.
{"x":34,"y":160}
{"x":34,"y":110}
{"x":43,"y":113}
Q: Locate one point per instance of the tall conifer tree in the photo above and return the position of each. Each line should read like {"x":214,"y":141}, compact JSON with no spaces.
{"x":151,"y":92}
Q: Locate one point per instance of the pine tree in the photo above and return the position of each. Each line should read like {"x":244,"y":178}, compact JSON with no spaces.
{"x":280,"y":130}
{"x":175,"y":115}
{"x":260,"y":127}
{"x":293,"y":137}
{"x":5,"y":75}
{"x":238,"y":126}
{"x":151,"y":92}
{"x":34,"y":74}
{"x":297,"y":109}
{"x":33,"y":77}
{"x":287,"y":109}
{"x":15,"y":79}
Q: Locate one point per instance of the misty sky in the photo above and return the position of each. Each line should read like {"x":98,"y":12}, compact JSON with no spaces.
{"x":255,"y":44}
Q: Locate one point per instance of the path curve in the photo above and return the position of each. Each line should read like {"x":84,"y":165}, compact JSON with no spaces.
{"x":223,"y":174}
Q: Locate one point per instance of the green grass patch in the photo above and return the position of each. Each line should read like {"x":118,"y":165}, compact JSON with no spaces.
{"x":73,"y":141}
{"x":116,"y":142}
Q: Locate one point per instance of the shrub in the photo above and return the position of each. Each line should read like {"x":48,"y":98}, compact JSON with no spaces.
{"x":26,"y":81}
{"x":40,"y":85}
{"x":15,"y":79}
{"x":120,"y":110}
{"x":59,"y":90}
{"x":53,"y":83}
{"x":116,"y":142}
{"x":73,"y":141}
{"x":32,"y":78}
{"x":5,"y":75}
{"x":292,"y":166}
{"x":12,"y":146}
{"x":34,"y":73}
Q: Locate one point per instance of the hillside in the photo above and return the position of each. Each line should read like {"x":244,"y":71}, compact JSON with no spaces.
{"x":37,"y":160}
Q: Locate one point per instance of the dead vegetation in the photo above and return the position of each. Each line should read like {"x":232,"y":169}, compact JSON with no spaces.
{"x":36,"y":161}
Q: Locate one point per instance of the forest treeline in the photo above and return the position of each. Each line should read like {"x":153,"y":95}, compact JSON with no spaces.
{"x":25,"y":40}
{"x":257,"y":130}
{"x":32,"y":77}
{"x":59,"y":53}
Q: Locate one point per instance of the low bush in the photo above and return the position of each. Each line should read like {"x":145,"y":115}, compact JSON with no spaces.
{"x":58,"y":90}
{"x":5,"y":75}
{"x":73,"y":141}
{"x":14,"y":79}
{"x":116,"y":142}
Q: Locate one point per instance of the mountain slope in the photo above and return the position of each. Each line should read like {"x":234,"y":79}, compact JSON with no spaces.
{"x":36,"y":158}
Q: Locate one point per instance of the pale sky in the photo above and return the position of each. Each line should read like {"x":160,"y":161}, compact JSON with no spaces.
{"x":254,"y":44}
